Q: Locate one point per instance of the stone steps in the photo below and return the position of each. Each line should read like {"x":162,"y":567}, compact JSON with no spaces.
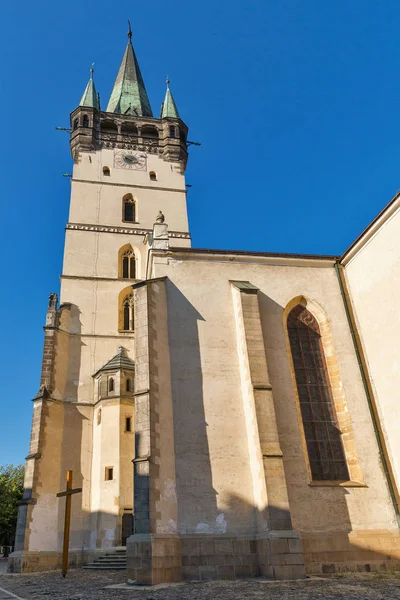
{"x":111,"y":561}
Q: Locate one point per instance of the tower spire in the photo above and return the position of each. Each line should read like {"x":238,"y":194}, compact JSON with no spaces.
{"x":90,"y":97}
{"x":129,"y":96}
{"x":168,"y":107}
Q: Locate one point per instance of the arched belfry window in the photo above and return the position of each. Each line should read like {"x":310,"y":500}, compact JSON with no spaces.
{"x":128,"y":264}
{"x":323,"y":436}
{"x":85,"y":121}
{"x":128,"y":209}
{"x":128,"y":315}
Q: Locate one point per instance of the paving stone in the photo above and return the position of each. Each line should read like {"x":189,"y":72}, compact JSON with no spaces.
{"x":86,"y":585}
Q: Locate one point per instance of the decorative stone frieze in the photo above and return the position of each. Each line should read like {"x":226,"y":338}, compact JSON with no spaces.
{"x":123,"y":230}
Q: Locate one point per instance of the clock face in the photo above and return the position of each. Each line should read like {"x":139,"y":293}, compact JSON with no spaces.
{"x":124,"y":159}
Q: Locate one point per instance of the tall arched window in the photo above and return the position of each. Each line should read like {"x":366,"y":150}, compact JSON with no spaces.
{"x":128,"y":209}
{"x":111,"y":384}
{"x":128,"y":264}
{"x":85,"y":121}
{"x":323,"y":436}
{"x":128,"y":316}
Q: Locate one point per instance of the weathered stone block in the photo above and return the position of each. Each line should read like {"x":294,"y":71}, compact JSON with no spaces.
{"x":208,"y":573}
{"x":243,"y":571}
{"x":190,"y":573}
{"x":226,"y":572}
{"x":231,"y":559}
{"x":329,"y":568}
{"x":295,"y":546}
{"x":224,"y":546}
{"x":283,"y":572}
{"x":207,"y":547}
{"x":279,"y":546}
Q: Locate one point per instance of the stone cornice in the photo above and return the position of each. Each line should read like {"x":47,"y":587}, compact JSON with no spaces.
{"x":121,"y":336}
{"x":130,"y":185}
{"x":121,"y":230}
{"x":289,"y":260}
{"x":90,"y":278}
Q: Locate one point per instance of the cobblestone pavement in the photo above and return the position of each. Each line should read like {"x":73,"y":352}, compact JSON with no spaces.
{"x":85,"y":585}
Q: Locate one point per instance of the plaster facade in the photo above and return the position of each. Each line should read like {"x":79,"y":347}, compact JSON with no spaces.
{"x":173,"y":395}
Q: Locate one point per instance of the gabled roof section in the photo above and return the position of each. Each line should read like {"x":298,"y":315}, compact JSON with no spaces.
{"x":168,"y":107}
{"x":119,"y":362}
{"x":376,"y":224}
{"x":90,"y":97}
{"x":129,"y":96}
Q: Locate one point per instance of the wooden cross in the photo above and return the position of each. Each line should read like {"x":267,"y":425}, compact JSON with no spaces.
{"x":67,"y":521}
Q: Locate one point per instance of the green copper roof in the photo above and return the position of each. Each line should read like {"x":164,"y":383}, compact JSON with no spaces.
{"x":129,"y":96}
{"x":168,"y":107}
{"x":90,"y":96}
{"x":119,"y":362}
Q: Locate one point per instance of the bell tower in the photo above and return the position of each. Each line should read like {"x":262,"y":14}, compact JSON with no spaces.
{"x":128,"y":166}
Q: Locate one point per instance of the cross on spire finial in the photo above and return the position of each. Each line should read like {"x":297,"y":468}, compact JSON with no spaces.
{"x":91,"y":71}
{"x":168,"y":82}
{"x":129,"y":30}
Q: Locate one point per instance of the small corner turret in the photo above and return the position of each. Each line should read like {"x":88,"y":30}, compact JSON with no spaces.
{"x":84,"y":118}
{"x":128,"y":121}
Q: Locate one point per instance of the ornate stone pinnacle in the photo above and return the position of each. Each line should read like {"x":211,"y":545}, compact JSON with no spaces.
{"x":160,"y":217}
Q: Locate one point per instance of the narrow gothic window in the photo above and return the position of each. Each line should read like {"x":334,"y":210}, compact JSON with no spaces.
{"x":172,"y":132}
{"x":129,"y":210}
{"x":76,"y":123}
{"x":128,"y":317}
{"x":85,"y":121}
{"x":128,"y":424}
{"x":128,"y":385}
{"x":323,"y":436}
{"x":111,"y":384}
{"x":129,"y":265}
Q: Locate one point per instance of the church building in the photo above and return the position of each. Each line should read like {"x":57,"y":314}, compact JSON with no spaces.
{"x":226,"y":413}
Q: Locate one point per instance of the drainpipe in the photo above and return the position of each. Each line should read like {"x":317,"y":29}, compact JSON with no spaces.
{"x":362,"y":363}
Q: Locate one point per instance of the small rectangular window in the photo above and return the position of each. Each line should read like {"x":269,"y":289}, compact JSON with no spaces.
{"x":109,"y":473}
{"x":128,"y":424}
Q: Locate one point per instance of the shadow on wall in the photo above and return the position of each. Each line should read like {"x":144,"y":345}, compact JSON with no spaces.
{"x":239,"y":556}
{"x":313,"y":509}
{"x":75,"y":344}
{"x":196,"y":497}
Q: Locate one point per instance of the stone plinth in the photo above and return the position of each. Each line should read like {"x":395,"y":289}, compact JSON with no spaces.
{"x":153,"y":559}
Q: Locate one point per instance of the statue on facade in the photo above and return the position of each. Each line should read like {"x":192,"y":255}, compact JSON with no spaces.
{"x":160,"y":217}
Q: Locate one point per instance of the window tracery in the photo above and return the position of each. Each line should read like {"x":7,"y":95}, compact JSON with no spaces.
{"x":129,"y":264}
{"x":323,"y":436}
{"x":128,"y":314}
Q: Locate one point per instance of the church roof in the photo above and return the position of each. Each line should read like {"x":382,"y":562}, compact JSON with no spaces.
{"x":119,"y":362}
{"x":129,"y":96}
{"x":90,"y":97}
{"x":379,"y":221}
{"x":168,"y":107}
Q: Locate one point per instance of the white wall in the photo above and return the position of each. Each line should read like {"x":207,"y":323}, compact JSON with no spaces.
{"x":373,"y":276}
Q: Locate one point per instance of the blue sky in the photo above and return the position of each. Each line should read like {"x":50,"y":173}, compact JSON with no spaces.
{"x":295,"y":103}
